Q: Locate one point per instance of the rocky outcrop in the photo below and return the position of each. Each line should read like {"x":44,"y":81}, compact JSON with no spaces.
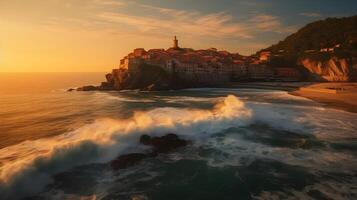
{"x":147,"y":77}
{"x":163,"y":144}
{"x":86,"y":88}
{"x":333,"y":69}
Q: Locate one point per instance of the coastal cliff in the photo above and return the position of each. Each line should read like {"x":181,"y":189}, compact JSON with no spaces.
{"x":174,"y":68}
{"x":334,"y":69}
{"x":325,"y":49}
{"x":148,"y":77}
{"x":154,"y":78}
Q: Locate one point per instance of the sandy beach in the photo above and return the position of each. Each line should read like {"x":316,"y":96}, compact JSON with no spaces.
{"x":337,"y":95}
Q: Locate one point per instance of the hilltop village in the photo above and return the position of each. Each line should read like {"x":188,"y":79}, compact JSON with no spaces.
{"x":208,"y":65}
{"x":176,"y":67}
{"x":308,"y":55}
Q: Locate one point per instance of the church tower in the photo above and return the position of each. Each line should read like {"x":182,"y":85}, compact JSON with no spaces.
{"x":176,"y":43}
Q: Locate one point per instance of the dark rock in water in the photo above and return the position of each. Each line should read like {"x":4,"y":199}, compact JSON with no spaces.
{"x":105,"y":86}
{"x":87,"y":88}
{"x":127,"y":160}
{"x":145,"y":139}
{"x":71,"y":90}
{"x":163,"y":144}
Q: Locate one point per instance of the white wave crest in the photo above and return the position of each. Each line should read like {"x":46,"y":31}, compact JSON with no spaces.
{"x":26,"y":167}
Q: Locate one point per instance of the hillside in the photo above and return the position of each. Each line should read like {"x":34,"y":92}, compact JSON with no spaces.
{"x":325,"y":49}
{"x":321,"y":34}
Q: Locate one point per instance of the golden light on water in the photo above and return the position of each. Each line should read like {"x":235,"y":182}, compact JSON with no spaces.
{"x":105,"y":133}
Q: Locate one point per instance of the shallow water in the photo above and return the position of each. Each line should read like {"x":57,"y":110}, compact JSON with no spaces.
{"x":246,"y":144}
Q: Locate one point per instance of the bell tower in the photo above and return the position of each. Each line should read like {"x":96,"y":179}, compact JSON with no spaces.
{"x":175,"y":43}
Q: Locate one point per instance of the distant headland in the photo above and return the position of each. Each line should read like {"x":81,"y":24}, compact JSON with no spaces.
{"x":314,"y":54}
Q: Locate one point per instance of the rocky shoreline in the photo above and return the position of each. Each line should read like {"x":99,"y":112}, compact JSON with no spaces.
{"x":159,"y":145}
{"x":285,"y":86}
{"x":344,"y":99}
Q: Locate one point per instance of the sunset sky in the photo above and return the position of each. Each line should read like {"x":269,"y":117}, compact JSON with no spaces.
{"x":93,"y":35}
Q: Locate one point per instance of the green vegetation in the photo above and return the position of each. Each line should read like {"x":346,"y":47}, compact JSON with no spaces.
{"x":321,"y":34}
{"x":337,"y":34}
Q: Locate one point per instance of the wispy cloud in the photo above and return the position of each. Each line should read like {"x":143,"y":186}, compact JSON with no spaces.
{"x":134,"y":19}
{"x":266,"y":22}
{"x":194,"y":23}
{"x":269,"y":23}
{"x":141,"y":19}
{"x":310,"y":14}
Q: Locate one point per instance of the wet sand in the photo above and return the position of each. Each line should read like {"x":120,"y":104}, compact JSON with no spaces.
{"x":336,"y":95}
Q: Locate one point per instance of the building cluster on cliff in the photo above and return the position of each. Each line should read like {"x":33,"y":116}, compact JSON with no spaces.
{"x":208,"y":65}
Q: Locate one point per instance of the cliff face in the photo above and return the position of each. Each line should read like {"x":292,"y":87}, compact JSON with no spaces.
{"x":333,"y":69}
{"x":148,"y":77}
{"x":153,"y":77}
{"x":327,"y":49}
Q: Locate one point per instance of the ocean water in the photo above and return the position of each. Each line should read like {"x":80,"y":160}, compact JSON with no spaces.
{"x":245,"y":143}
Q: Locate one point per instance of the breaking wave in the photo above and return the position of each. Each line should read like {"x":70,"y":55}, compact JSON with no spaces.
{"x":26,"y":167}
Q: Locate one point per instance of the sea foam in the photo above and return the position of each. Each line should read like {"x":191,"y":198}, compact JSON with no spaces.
{"x":26,"y":167}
